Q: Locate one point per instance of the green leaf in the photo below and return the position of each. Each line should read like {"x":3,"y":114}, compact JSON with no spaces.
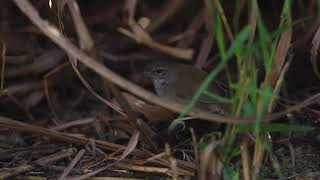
{"x":230,"y":174}
{"x":217,"y":97}
{"x":274,"y":127}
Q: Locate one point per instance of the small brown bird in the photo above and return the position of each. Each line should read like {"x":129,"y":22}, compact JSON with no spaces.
{"x":179,"y":82}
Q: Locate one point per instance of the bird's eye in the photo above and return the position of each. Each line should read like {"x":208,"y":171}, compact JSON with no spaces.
{"x":158,"y":71}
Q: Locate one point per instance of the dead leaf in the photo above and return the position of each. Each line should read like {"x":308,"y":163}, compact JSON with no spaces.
{"x":131,"y":145}
{"x":281,"y":54}
{"x":210,"y":166}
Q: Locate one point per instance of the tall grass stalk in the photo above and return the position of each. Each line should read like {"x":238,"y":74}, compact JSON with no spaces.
{"x":252,"y":93}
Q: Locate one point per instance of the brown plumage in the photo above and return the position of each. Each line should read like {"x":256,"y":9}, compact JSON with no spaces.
{"x":179,"y":82}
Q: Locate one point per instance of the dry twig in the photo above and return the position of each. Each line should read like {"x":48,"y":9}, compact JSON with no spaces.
{"x":72,"y":164}
{"x":42,"y":161}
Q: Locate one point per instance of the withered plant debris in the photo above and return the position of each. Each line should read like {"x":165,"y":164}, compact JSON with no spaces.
{"x":64,"y":116}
